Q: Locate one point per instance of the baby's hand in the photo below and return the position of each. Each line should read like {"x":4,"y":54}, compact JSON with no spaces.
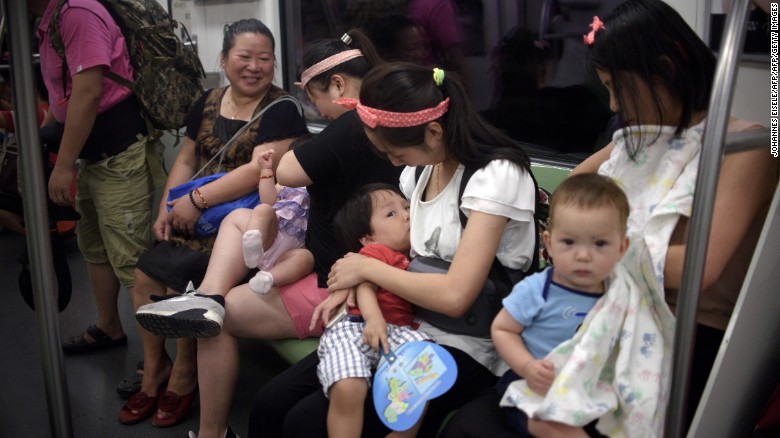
{"x":375,"y":334}
{"x":266,"y":159}
{"x":539,"y":374}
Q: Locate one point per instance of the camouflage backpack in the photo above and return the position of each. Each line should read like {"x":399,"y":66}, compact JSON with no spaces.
{"x":166,"y":72}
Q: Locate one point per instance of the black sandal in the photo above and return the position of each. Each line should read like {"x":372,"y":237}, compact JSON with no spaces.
{"x":132,"y":384}
{"x":78,"y":345}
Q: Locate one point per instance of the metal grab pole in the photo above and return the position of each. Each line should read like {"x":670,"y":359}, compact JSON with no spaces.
{"x":34,"y":196}
{"x":701,"y":217}
{"x":747,"y":140}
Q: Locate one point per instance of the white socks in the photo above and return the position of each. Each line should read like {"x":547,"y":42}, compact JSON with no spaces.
{"x":252,"y":245}
{"x":261,"y":283}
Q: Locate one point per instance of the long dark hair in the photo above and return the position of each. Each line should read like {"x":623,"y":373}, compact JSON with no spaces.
{"x":649,"y":38}
{"x":405,"y":87}
{"x":355,"y":67}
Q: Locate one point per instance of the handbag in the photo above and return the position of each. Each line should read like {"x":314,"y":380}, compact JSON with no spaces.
{"x":212,"y":217}
{"x":476,"y":321}
{"x":209,"y":221}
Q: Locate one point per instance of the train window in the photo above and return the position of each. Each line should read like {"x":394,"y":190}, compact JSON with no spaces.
{"x":523,"y":61}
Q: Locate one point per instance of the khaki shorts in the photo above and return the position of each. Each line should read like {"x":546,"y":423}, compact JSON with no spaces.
{"x":114,"y":197}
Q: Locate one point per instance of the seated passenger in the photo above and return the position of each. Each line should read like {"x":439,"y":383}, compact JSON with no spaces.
{"x":418,"y":117}
{"x":331,"y":166}
{"x":375,"y":222}
{"x":660,"y":73}
{"x":586,"y":239}
{"x":180,"y":256}
{"x":280,"y":258}
{"x":662,"y":91}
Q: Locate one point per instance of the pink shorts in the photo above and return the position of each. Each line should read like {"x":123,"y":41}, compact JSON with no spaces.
{"x":300,"y":298}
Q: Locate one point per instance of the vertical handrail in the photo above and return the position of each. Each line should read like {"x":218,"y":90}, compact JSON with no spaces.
{"x":544,"y":20}
{"x":701,"y":216}
{"x":36,"y":220}
{"x":3,"y":26}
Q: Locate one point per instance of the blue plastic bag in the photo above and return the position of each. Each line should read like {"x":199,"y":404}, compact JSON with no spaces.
{"x":209,"y":220}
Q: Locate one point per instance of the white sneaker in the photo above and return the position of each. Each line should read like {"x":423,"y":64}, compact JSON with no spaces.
{"x":252,"y":244}
{"x":261,"y":283}
{"x":191,"y":315}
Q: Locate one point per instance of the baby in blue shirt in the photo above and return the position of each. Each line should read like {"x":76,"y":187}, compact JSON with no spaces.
{"x":586,"y":239}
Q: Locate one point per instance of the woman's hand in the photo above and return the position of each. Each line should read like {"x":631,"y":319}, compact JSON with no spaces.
{"x":540,"y":375}
{"x":326,"y":309}
{"x":375,"y":334}
{"x":346,"y":272}
{"x":183,"y":216}
{"x":161,"y":228}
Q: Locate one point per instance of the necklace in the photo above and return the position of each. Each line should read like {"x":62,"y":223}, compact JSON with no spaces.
{"x":238,"y":109}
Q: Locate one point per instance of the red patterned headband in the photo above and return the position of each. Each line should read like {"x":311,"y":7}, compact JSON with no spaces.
{"x":327,"y":64}
{"x":594,"y":27}
{"x":373,"y":117}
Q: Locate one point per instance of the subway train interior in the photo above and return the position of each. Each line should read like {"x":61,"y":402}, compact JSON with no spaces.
{"x":524,"y":63}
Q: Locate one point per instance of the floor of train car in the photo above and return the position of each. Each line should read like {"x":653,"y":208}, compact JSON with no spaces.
{"x":91,"y":379}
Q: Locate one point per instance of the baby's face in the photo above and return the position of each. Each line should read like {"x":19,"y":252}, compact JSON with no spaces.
{"x":389,"y":220}
{"x":585,"y":245}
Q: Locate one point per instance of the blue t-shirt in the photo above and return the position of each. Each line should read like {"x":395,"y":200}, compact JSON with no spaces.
{"x":548,"y":318}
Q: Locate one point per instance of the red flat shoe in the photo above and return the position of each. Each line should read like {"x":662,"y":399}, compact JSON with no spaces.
{"x":175,"y":405}
{"x":138,"y":408}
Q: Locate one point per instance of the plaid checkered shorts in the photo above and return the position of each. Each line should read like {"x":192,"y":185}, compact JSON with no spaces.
{"x":343,"y":354}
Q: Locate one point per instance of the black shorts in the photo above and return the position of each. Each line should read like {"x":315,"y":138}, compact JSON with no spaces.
{"x":174,"y":265}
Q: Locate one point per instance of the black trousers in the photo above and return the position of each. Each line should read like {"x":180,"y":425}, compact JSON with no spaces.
{"x":483,"y":417}
{"x":293,"y":404}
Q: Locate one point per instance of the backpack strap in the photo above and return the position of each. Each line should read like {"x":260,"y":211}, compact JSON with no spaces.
{"x":498,"y":273}
{"x":547,"y":281}
{"x":468,"y":172}
{"x":55,"y":38}
{"x":539,"y":209}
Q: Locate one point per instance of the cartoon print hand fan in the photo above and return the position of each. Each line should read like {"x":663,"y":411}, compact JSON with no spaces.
{"x":408,"y":377}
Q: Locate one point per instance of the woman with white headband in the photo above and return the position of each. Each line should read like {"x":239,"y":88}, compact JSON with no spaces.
{"x":424,"y":119}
